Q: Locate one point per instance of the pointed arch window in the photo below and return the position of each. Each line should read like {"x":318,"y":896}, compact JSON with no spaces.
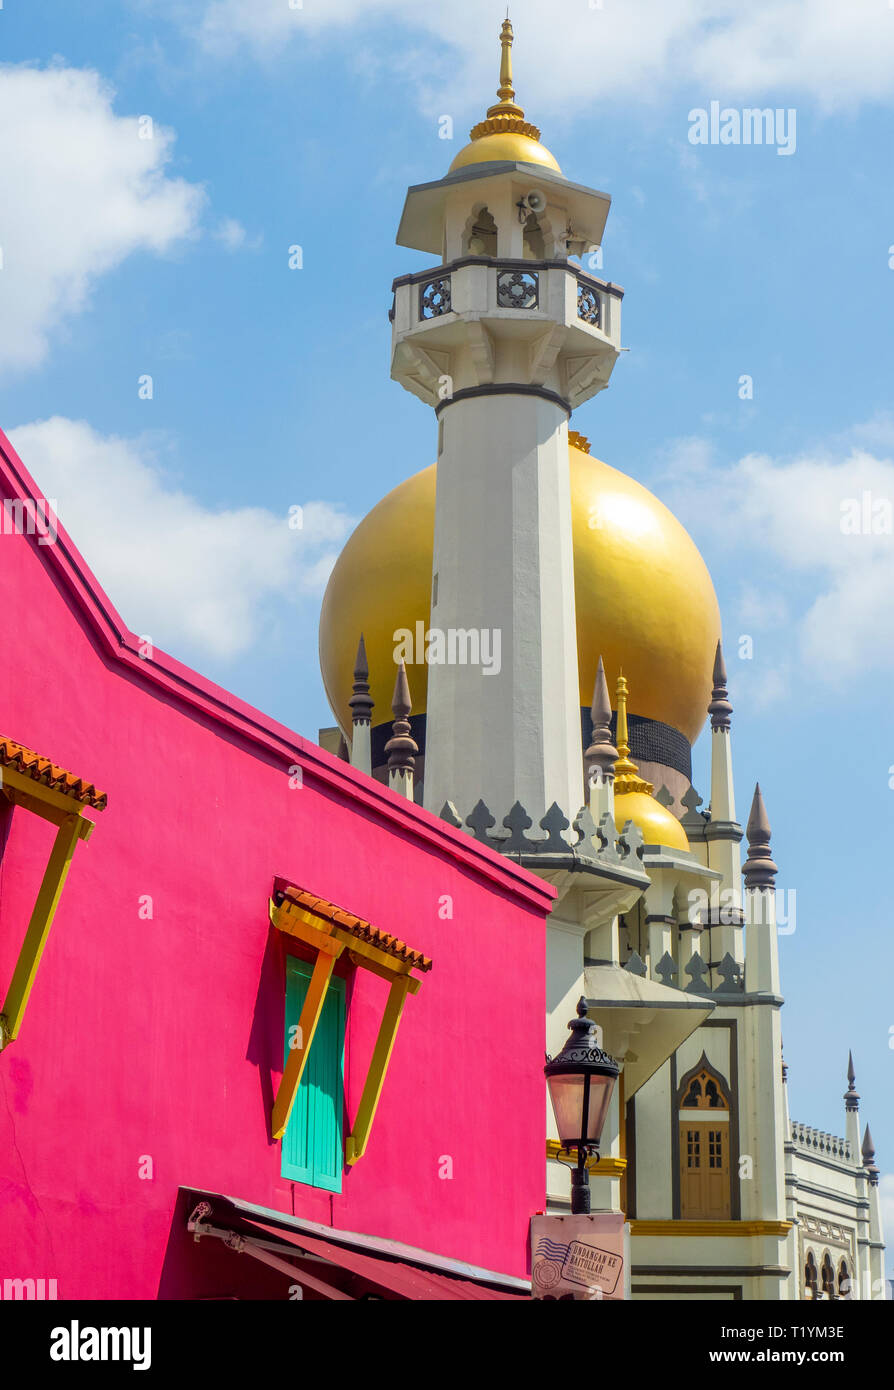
{"x":481,"y":234}
{"x":704,"y":1132}
{"x":844,"y":1280}
{"x":811,"y":1276}
{"x":533,"y":240}
{"x":828,"y":1277}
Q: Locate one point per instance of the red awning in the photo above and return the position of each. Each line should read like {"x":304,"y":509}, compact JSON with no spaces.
{"x":343,"y":1265}
{"x":407,"y":1281}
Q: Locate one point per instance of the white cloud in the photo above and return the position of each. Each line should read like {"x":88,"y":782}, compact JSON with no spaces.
{"x":179,"y":572}
{"x":82,"y":191}
{"x":822,"y":49}
{"x":233,"y":236}
{"x":815,"y":533}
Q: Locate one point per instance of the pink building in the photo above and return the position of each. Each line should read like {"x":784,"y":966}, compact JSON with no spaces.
{"x":145,"y":1046}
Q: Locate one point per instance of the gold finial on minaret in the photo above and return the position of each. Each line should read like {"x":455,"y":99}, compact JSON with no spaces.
{"x":506,"y":116}
{"x":627,"y":778}
{"x":506,"y":91}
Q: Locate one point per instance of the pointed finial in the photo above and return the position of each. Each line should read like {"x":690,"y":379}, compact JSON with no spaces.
{"x":627,"y":778}
{"x":851,"y":1095}
{"x":360,"y":702}
{"x":601,"y":753}
{"x":401,"y":747}
{"x":506,"y":116}
{"x":869,"y":1158}
{"x":720,"y":708}
{"x":759,"y":871}
{"x":506,"y":91}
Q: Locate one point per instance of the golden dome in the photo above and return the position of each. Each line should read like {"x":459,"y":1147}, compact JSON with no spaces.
{"x":644,"y":598}
{"x":505,"y":134}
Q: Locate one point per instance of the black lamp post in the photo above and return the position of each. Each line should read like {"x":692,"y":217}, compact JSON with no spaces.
{"x":581,"y":1080}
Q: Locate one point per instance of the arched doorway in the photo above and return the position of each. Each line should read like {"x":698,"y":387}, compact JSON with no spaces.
{"x":703,"y":1117}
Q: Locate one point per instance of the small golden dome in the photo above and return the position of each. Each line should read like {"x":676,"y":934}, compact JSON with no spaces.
{"x":505,"y":134}
{"x":643,"y":595}
{"x":659,"y":826}
{"x":634,"y":796}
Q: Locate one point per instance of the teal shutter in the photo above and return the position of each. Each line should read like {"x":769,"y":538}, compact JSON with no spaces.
{"x":313,"y":1145}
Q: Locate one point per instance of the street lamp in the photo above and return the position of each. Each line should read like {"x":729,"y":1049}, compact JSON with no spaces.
{"x":581,"y":1080}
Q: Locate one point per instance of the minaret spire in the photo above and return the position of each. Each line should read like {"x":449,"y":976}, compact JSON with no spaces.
{"x":361,"y":712}
{"x":601,"y":755}
{"x":869,"y":1162}
{"x":852,"y":1111}
{"x":851,"y":1095}
{"x":759,"y":873}
{"x":401,"y":747}
{"x":759,"y":870}
{"x":720,"y":708}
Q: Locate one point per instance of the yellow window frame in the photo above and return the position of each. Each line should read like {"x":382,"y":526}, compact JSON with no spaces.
{"x":66,"y":812}
{"x":330,"y":940}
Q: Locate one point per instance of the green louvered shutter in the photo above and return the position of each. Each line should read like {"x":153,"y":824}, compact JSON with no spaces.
{"x":312,"y":1146}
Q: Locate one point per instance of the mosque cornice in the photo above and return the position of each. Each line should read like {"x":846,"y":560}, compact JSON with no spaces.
{"x":711,"y":1229}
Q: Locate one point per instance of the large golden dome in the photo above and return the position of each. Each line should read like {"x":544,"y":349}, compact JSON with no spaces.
{"x":645,"y":601}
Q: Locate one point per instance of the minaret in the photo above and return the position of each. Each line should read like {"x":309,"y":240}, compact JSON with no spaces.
{"x":504,"y":338}
{"x":852,"y":1111}
{"x":601,"y":755}
{"x":361,"y":713}
{"x":722,"y":832}
{"x":876,"y":1233}
{"x":401,"y":747}
{"x":766,"y":1129}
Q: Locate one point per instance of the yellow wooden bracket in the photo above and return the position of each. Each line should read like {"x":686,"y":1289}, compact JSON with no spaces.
{"x":299,"y":1047}
{"x":329,"y":940}
{"x":67,"y":836}
{"x":47,"y":810}
{"x":357,"y":1140}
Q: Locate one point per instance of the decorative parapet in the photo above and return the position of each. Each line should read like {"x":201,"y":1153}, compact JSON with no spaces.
{"x":815,"y":1141}
{"x":591,"y":845}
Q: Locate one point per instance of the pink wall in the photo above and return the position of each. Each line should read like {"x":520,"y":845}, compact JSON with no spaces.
{"x":165,"y":1037}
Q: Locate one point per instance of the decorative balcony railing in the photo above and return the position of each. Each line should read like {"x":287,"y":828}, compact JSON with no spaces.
{"x":483,"y":284}
{"x":815,"y":1141}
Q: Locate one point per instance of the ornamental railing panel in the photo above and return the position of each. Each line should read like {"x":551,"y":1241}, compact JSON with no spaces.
{"x":589,"y":304}
{"x":518,"y":289}
{"x":435,"y":297}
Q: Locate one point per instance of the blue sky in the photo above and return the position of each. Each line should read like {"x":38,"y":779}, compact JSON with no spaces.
{"x":276,"y":126}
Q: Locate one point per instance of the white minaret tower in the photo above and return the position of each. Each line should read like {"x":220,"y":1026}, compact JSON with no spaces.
{"x":722,"y":832}
{"x":504,"y":339}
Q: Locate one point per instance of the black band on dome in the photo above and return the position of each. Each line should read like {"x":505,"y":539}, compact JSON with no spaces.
{"x":650,"y":741}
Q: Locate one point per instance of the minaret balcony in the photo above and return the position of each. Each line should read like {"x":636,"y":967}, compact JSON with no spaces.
{"x":479,"y":320}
